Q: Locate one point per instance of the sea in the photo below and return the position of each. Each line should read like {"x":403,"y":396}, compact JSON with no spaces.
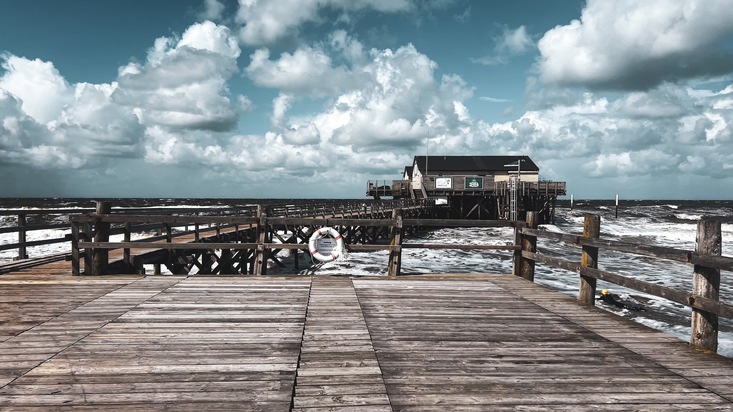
{"x":670,"y":223}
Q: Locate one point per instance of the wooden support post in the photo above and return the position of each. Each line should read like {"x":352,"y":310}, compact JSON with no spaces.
{"x":591,"y":229}
{"x":207,"y":262}
{"x":517,"y":257}
{"x":88,"y":236}
{"x":100,"y":258}
{"x":196,"y":234}
{"x":22,"y":223}
{"x":168,"y":233}
{"x":126,"y":252}
{"x":75,"y":266}
{"x":260,"y":262}
{"x":529,"y":243}
{"x":706,"y":283}
{"x":395,"y":256}
{"x":226,"y":263}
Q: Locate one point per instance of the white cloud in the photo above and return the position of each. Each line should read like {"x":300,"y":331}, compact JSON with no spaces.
{"x":662,"y":133}
{"x":641,"y":163}
{"x":17,"y":129}
{"x":95,"y":126}
{"x":307,"y":71}
{"x":630,"y":44}
{"x":88,"y":127}
{"x":184,"y":83}
{"x":280,"y":106}
{"x":267,"y":22}
{"x":509,"y":44}
{"x":37,"y":84}
{"x":50,"y":124}
{"x":515,"y":41}
{"x":494,"y":99}
{"x":213,"y":10}
{"x":302,"y":135}
{"x":388,"y":107}
{"x":349,"y":46}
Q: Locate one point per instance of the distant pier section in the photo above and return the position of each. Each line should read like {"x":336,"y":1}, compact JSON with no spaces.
{"x":476,"y":187}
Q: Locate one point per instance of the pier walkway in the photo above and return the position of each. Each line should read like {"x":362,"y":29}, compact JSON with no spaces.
{"x":413,"y":343}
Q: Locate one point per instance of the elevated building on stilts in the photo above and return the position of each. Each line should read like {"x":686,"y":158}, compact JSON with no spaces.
{"x":476,"y":187}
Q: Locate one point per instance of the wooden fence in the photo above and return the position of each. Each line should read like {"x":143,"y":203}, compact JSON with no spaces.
{"x":90,"y":245}
{"x":706,"y":259}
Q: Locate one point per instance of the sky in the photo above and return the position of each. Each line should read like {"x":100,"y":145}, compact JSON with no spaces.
{"x":313,"y":98}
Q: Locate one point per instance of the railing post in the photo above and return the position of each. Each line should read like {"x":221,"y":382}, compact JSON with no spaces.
{"x":197,"y":234}
{"x":706,"y":283}
{"x":529,"y":243}
{"x":88,"y":252}
{"x":517,"y":257}
{"x":126,"y":252}
{"x":395,"y":256}
{"x":22,"y":223}
{"x":75,"y":268}
{"x":589,"y":259}
{"x":260,"y":261}
{"x":100,"y":257}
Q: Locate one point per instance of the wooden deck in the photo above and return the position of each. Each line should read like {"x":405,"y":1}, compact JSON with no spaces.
{"x":422,"y":343}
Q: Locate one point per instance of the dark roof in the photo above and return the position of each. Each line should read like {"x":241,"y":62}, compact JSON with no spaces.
{"x":474,"y":163}
{"x":408,"y":171}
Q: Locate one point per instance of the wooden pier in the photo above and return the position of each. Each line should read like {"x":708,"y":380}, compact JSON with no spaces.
{"x":414,"y":343}
{"x":220,"y":340}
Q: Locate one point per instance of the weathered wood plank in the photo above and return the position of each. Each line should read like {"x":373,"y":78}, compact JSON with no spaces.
{"x":338,"y":367}
{"x":458,"y":344}
{"x":327,"y":343}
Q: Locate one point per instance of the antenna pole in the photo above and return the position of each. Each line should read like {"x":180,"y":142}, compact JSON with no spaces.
{"x":427,"y":152}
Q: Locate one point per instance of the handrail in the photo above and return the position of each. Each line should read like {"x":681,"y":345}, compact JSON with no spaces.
{"x":706,"y":259}
{"x":280,"y":208}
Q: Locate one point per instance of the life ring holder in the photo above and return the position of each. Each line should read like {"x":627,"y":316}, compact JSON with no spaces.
{"x":320,"y":234}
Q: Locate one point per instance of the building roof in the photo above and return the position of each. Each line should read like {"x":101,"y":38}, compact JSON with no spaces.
{"x":408,"y":171}
{"x":474,"y":163}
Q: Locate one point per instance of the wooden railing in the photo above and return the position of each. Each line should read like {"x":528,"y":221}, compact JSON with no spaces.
{"x":90,"y":233}
{"x":706,"y":260}
{"x":90,"y":241}
{"x":28,"y":220}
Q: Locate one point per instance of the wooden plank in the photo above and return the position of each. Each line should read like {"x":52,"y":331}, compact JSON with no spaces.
{"x":128,"y":363}
{"x":458,"y":343}
{"x":338,"y":367}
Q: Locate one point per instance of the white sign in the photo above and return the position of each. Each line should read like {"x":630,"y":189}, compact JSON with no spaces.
{"x":326,"y":246}
{"x":443,"y":182}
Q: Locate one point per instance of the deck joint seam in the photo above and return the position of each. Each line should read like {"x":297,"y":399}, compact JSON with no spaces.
{"x":300,"y":349}
{"x":65,"y":348}
{"x":371,"y":340}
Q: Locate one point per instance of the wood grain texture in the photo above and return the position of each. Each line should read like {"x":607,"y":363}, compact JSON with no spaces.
{"x":414,"y":343}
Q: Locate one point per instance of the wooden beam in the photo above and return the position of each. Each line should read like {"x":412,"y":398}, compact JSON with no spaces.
{"x":100,"y":257}
{"x":589,"y":259}
{"x":674,"y":295}
{"x":706,"y":284}
{"x":529,"y":243}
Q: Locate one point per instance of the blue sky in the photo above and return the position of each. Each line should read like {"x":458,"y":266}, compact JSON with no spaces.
{"x":312,"y":98}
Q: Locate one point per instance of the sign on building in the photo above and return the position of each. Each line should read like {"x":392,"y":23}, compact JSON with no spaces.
{"x":475,"y":182}
{"x":443,"y":182}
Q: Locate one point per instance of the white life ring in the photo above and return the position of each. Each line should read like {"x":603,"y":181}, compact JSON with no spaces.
{"x":323,"y":255}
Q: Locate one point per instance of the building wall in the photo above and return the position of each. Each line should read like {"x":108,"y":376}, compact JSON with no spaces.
{"x":525,"y":177}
